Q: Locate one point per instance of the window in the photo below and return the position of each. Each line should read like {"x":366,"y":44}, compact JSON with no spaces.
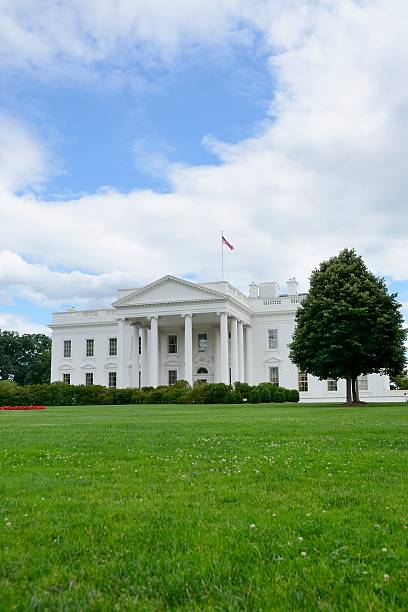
{"x":272,"y":339}
{"x":140,"y":345}
{"x":172,"y":344}
{"x":202,"y":371}
{"x":332,"y":384}
{"x":90,"y":345}
{"x":140,"y":379}
{"x":67,"y":348}
{"x":113,"y":347}
{"x":88,"y":378}
{"x":112,"y":379}
{"x":303,"y":383}
{"x":202,"y":343}
{"x":274,"y":375}
{"x":172,"y":377}
{"x":66,"y":378}
{"x":362,"y":382}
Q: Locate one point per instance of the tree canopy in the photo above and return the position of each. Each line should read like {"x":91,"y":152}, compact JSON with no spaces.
{"x":26,"y":359}
{"x":401,"y":380}
{"x":348,"y":324}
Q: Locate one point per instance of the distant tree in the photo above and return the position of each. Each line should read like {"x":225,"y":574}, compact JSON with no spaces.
{"x":26,"y":359}
{"x":401,"y":380}
{"x":348,"y":324}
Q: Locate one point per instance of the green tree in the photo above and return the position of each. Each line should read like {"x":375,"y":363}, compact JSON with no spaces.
{"x":348,"y":324}
{"x":401,"y":380}
{"x":26,"y":359}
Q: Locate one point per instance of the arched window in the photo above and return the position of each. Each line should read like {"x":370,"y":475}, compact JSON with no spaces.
{"x":202,"y":371}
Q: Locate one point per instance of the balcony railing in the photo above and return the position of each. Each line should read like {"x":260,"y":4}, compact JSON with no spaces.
{"x":278,"y":303}
{"x":81,"y":316}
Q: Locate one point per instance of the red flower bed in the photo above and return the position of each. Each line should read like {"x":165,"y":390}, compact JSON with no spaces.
{"x":23,"y":407}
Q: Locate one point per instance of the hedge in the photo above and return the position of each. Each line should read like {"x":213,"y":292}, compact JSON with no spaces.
{"x":61,"y":394}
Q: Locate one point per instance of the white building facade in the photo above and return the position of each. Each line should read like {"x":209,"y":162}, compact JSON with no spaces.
{"x":174,"y":329}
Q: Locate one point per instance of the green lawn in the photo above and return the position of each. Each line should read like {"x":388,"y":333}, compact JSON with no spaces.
{"x":208,"y":507}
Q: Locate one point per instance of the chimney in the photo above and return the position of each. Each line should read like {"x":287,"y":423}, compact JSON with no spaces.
{"x":253,"y":291}
{"x":292,"y":286}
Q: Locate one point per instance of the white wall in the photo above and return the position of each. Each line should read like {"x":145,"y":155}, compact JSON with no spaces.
{"x":263,"y":357}
{"x":78,"y":363}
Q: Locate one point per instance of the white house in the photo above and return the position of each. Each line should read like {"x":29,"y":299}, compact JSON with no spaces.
{"x":174,"y":329}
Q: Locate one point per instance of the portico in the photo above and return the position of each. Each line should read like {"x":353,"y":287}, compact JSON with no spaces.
{"x":180,"y":330}
{"x":190,"y":346}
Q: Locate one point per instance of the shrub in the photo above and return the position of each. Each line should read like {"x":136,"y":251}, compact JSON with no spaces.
{"x":187,"y":397}
{"x":221,"y":393}
{"x":279,"y":396}
{"x":272,"y":391}
{"x":286,"y":394}
{"x":272,"y":388}
{"x":123,"y":396}
{"x":265,"y":394}
{"x":196,"y":394}
{"x":154,"y":396}
{"x":137,"y":396}
{"x":61,"y":394}
{"x":254,"y":396}
{"x":175,"y":392}
{"x":9,"y":385}
{"x":86,"y":394}
{"x":242,"y":388}
{"x":20,"y":396}
{"x":7,"y":392}
{"x":233,"y":397}
{"x":293,"y":395}
{"x":181,"y":385}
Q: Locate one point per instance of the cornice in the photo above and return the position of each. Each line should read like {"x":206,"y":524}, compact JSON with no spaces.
{"x":170,"y":303}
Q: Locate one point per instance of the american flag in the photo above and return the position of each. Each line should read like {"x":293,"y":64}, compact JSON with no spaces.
{"x":228,"y":244}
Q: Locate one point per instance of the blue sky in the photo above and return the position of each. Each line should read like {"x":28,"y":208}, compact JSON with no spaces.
{"x":96,"y":130}
{"x":131,"y":135}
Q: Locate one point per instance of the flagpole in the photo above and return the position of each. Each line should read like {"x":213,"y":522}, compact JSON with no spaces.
{"x":222,"y":256}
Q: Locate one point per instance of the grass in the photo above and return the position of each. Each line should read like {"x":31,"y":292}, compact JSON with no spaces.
{"x":270,"y":507}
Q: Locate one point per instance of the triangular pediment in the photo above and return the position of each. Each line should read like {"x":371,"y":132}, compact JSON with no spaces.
{"x":273,"y":360}
{"x":88,"y":366}
{"x":168,"y":290}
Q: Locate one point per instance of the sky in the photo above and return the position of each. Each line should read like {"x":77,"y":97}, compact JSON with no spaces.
{"x":132,"y":133}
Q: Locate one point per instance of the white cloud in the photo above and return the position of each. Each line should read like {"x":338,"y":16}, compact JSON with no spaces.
{"x":327,"y":170}
{"x":153,"y":157}
{"x":22,"y":325}
{"x":52,"y":37}
{"x":45,"y":287}
{"x":23,"y":160}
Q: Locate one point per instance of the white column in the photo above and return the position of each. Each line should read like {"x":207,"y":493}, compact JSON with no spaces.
{"x":224,"y":372}
{"x":162,"y":377}
{"x":121,"y":373}
{"x":135,"y":355}
{"x":241,"y":367}
{"x":144,"y":361}
{"x":154,"y":352}
{"x":216,"y":354}
{"x":188,"y":348}
{"x":248,"y":355}
{"x":234,"y":350}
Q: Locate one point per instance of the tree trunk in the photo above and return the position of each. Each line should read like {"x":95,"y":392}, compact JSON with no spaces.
{"x":348,"y":390}
{"x":356,"y":397}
